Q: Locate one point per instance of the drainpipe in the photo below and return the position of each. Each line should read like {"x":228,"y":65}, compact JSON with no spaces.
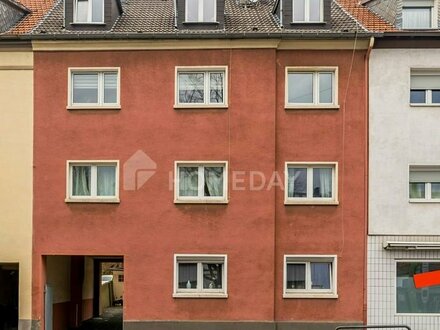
{"x":281,"y":13}
{"x":366,"y":177}
{"x":175,"y":13}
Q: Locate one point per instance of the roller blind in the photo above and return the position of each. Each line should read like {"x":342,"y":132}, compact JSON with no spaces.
{"x":424,"y":176}
{"x":425,"y":81}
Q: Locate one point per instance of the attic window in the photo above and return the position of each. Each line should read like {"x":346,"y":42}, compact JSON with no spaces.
{"x":307,"y":11}
{"x":417,"y":14}
{"x":200,"y":11}
{"x":89,"y":11}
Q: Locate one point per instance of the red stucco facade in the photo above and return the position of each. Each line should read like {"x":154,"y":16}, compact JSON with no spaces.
{"x":255,"y":229}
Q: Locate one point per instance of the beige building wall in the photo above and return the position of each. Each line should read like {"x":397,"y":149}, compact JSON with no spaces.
{"x":16,"y":143}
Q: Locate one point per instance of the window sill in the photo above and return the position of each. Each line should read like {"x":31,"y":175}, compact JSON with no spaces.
{"x":308,"y":23}
{"x":424,"y":105}
{"x":89,"y":23}
{"x":200,"y":106}
{"x":421,"y":201}
{"x":201,"y":201}
{"x":93,"y":200}
{"x":311,"y":202}
{"x":310,"y":295}
{"x":200,"y":23}
{"x":201,"y":295}
{"x":311,"y":107}
{"x":93,"y":107}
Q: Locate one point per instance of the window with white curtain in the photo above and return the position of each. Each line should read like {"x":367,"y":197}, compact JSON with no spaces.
{"x":201,"y":87}
{"x":89,"y":11}
{"x":309,"y":87}
{"x":92,"y":88}
{"x":307,"y":11}
{"x":201,"y":182}
{"x":96,"y":182}
{"x":312,"y":276}
{"x":200,"y":276}
{"x":311,"y":183}
{"x":424,"y":184}
{"x":417,"y":14}
{"x":200,"y":11}
{"x":425,"y":87}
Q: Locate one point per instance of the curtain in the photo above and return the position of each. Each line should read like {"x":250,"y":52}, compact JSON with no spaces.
{"x":81,"y":180}
{"x":209,"y":10}
{"x":297,"y":182}
{"x":296,"y":276}
{"x":191,"y":87}
{"x":212,"y":276}
{"x":97,"y":11}
{"x":213,"y":181}
{"x":110,"y":87}
{"x":320,"y":272}
{"x":106,"y":180}
{"x":187,"y":276}
{"x":416,"y":18}
{"x":188,"y":181}
{"x":315,"y":11}
{"x":322,"y":182}
{"x":82,"y":8}
{"x":216,"y":87}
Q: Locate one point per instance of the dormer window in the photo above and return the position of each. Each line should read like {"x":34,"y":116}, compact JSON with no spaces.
{"x":307,"y":11}
{"x":417,"y":14}
{"x":201,"y":11}
{"x":89,"y":11}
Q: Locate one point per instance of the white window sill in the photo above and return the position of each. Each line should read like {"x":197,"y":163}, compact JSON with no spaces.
{"x":88,"y":23}
{"x":421,"y":200}
{"x":310,"y":295}
{"x":200,"y":106}
{"x":93,"y":107}
{"x":307,"y":22}
{"x":201,"y":295}
{"x":311,"y":107}
{"x":201,"y":201}
{"x":424,"y":105}
{"x":310,"y":202}
{"x":113,"y":200}
{"x":200,"y":22}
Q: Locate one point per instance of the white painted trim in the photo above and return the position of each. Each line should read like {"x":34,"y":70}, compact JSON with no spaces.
{"x":201,"y":199}
{"x":428,"y":193}
{"x":311,"y":200}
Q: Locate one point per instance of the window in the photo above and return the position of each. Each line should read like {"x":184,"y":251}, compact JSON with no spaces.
{"x":93,"y":182}
{"x":424,"y":183}
{"x":200,"y":87}
{"x":311,"y":87}
{"x":200,"y":276}
{"x":425,"y":87}
{"x":120,"y":278}
{"x":311,"y":183}
{"x":307,"y":11}
{"x":412,"y":300}
{"x":310,"y":276}
{"x":201,"y":182}
{"x":417,"y":14}
{"x":89,"y":11}
{"x":90,"y":88}
{"x":198,"y":11}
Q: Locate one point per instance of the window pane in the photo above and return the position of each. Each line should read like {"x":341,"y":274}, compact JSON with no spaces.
{"x":81,"y":180}
{"x":315,"y":10}
{"x":322,"y":182}
{"x":97,"y":11}
{"x":412,"y":300}
{"x":299,"y":9}
{"x":216,"y":87}
{"x":212,"y":276}
{"x":191,"y":87}
{"x":106,"y":180}
{"x":82,"y":8}
{"x":417,"y":190}
{"x":85,"y":88}
{"x":296,"y":276}
{"x":110,"y":87}
{"x":416,"y":18}
{"x":320,"y":275}
{"x":435,"y":190}
{"x":435,"y":96}
{"x":417,"y":96}
{"x":187,"y":276}
{"x":209,"y":10}
{"x":192,"y":10}
{"x":297,"y":182}
{"x":213,"y":181}
{"x":325,"y":87}
{"x":300,"y":88}
{"x":188,"y":181}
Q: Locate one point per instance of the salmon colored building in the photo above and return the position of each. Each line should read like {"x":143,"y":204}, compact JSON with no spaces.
{"x":218,"y":165}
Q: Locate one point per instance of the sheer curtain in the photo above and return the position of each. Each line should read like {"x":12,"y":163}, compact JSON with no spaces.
{"x":322,"y":182}
{"x":106,"y":181}
{"x":297,"y":182}
{"x":213,"y":181}
{"x":81,"y":180}
{"x":188,"y":181}
{"x":187,"y":276}
{"x":296,"y":276}
{"x":320,"y":275}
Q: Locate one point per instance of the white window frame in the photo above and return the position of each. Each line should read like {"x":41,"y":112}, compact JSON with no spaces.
{"x":206,"y":70}
{"x":428,"y":92}
{"x":310,"y":199}
{"x":200,"y":13}
{"x":93,"y":182}
{"x":315,"y":71}
{"x":200,"y":198}
{"x":434,"y":11}
{"x":94,"y":70}
{"x":307,"y":13}
{"x":200,"y":292}
{"x":89,"y":13}
{"x":428,"y":192}
{"x":309,"y":292}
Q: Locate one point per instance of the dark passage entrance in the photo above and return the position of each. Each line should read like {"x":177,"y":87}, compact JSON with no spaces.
{"x":8,"y":296}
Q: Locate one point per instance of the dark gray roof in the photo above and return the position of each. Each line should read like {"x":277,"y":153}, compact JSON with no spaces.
{"x":155,"y":18}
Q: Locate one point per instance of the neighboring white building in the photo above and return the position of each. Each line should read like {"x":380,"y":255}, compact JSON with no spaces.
{"x":404,"y":182}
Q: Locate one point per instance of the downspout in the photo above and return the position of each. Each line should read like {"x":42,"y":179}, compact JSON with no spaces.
{"x":175,"y":13}
{"x":366,"y":173}
{"x":281,"y":13}
{"x":64,"y":13}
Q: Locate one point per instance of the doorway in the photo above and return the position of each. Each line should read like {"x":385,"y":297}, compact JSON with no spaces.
{"x":9,"y":296}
